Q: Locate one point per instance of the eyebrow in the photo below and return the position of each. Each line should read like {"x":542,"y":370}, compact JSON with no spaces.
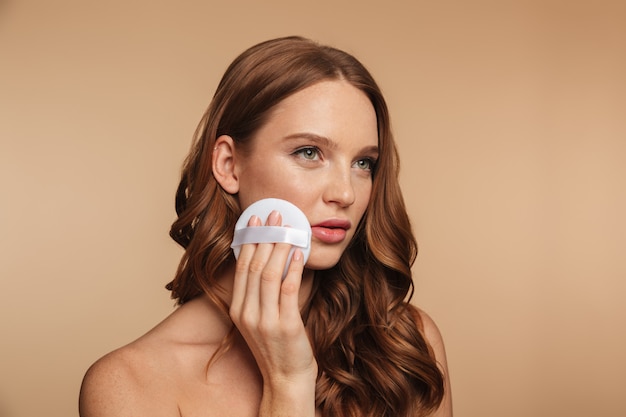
{"x":323,"y":140}
{"x":327,"y":142}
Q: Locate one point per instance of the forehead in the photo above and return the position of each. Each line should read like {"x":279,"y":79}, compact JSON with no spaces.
{"x":333,"y":109}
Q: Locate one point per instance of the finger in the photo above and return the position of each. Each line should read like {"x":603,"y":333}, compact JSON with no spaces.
{"x":242,"y":268}
{"x":271,"y":280}
{"x":258,"y":263}
{"x":290,"y":288}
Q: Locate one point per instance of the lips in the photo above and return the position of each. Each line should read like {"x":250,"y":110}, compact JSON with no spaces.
{"x":331,"y":231}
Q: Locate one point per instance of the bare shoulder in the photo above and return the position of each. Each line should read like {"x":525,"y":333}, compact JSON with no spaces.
{"x":106,"y":383}
{"x":435,"y":339}
{"x":162,"y":372}
{"x":116,"y":385}
{"x":431,"y":332}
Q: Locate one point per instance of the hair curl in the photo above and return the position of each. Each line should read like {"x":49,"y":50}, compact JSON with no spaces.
{"x":372,"y":357}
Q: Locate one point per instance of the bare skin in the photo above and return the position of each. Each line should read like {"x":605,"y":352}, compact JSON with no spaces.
{"x":162,"y":373}
{"x":316,"y":150}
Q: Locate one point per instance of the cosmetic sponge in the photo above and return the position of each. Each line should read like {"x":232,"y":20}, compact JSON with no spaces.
{"x":296,"y":229}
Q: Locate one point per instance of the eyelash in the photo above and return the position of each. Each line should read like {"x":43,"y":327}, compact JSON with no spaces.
{"x":371,"y":163}
{"x":313,"y":151}
{"x":303,"y":151}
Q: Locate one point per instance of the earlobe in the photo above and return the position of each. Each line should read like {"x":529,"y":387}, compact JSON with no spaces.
{"x":224,"y":164}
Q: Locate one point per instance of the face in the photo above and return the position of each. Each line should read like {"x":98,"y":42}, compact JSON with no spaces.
{"x":317,"y":150}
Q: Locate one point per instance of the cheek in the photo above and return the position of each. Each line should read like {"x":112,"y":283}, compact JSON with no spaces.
{"x":275,"y":183}
{"x":302,"y":195}
{"x":364,"y":193}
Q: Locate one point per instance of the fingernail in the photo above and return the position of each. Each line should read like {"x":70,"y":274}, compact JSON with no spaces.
{"x":254,"y":221}
{"x":273,"y":219}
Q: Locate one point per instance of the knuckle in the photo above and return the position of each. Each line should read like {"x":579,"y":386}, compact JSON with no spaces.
{"x":233,"y":312}
{"x":266,"y":327}
{"x":270,"y":275}
{"x":256,"y":265}
{"x":248,"y":319}
{"x":241,"y":268}
{"x":289,"y":288}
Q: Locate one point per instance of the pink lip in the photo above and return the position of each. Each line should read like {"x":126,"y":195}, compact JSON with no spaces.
{"x":331,"y":231}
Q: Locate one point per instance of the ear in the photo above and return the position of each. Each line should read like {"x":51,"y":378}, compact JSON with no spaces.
{"x":223,"y":164}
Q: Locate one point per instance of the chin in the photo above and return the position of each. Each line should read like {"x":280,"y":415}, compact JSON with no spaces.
{"x":316,"y":267}
{"x":321,"y":261}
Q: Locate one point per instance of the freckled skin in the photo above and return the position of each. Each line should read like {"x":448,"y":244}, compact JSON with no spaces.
{"x":332,"y":181}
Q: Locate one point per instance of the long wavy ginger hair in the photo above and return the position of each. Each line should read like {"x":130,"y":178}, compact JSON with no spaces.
{"x":373,"y":360}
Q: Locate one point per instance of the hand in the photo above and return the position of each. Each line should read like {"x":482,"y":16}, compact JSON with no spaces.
{"x":266,"y":311}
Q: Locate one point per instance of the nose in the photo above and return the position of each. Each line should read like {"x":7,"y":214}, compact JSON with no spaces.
{"x":339,"y":188}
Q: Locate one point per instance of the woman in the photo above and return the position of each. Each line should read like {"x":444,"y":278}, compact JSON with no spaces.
{"x":305,"y":123}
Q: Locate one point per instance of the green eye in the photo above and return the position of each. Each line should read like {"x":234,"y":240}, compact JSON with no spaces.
{"x":364,"y":164}
{"x":308,"y":153}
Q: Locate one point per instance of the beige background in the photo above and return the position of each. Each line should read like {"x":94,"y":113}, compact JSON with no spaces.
{"x":510,"y":117}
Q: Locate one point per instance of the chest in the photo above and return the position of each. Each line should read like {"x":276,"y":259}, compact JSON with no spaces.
{"x":229,"y":388}
{"x":235,"y":395}
{"x":232,"y":386}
